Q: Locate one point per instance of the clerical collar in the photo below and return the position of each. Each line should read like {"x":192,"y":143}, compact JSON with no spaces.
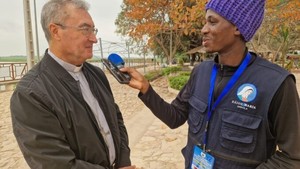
{"x":69,"y":67}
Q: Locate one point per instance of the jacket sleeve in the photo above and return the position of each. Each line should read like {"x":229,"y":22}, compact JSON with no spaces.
{"x":40,"y":135}
{"x":284,"y":119}
{"x":169,"y":114}
{"x":174,"y":114}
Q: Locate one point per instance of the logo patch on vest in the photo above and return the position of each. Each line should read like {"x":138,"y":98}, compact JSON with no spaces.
{"x":246,"y":92}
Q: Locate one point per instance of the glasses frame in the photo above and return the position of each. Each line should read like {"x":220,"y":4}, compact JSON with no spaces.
{"x":86,"y":30}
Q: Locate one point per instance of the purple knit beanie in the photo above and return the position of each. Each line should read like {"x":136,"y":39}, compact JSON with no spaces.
{"x":246,"y":15}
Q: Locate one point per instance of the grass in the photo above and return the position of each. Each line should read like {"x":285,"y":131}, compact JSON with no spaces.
{"x":152,"y":75}
{"x":13,"y":59}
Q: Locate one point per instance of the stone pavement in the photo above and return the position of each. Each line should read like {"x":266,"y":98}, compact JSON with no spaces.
{"x":297,"y":75}
{"x":153,"y":144}
{"x":10,"y":155}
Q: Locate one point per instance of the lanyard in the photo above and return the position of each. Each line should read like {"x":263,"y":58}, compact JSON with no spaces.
{"x":226,"y":89}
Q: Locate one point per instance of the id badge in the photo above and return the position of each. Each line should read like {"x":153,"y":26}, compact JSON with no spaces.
{"x":202,"y":160}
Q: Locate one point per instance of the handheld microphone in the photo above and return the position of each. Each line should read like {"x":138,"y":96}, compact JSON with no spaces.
{"x":116,"y":60}
{"x":113,"y":64}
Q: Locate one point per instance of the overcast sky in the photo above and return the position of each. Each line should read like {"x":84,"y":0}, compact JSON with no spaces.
{"x":12,"y":32}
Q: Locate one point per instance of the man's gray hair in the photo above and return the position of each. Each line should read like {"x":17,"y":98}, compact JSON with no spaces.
{"x":54,"y":12}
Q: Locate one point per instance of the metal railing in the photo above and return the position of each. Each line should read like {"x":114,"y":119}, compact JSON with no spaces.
{"x":12,"y":71}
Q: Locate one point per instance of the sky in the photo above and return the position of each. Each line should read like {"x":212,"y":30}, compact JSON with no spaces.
{"x":12,"y":31}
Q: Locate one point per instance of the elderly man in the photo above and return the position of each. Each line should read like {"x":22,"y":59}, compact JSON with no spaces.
{"x":63,"y":111}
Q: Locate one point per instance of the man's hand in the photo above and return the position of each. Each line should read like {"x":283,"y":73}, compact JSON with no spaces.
{"x":138,"y":81}
{"x":129,"y":167}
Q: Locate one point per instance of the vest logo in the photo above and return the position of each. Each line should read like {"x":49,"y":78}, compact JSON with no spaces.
{"x":246,"y":92}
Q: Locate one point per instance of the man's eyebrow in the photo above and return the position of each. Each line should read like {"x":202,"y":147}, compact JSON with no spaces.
{"x":210,"y":17}
{"x":85,"y":25}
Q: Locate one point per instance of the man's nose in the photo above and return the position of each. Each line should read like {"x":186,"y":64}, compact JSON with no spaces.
{"x":204,"y":29}
{"x":93,"y":38}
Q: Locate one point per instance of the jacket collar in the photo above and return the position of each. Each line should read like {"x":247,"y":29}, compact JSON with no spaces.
{"x":56,"y":68}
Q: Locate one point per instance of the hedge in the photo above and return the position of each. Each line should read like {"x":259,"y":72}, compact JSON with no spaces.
{"x":177,"y":82}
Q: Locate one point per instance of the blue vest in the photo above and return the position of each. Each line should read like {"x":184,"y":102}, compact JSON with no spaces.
{"x":238,"y":133}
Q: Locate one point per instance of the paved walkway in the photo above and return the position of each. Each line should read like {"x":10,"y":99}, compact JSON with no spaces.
{"x":153,"y":144}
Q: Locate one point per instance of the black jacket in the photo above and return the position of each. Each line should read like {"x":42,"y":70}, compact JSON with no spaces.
{"x":54,"y":126}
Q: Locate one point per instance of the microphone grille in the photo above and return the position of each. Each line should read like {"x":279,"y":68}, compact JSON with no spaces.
{"x":116,"y":59}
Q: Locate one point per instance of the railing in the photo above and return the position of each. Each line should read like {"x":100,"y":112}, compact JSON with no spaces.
{"x":12,"y":71}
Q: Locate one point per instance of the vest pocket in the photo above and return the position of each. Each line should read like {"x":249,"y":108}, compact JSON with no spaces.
{"x":239,"y":131}
{"x":197,"y":110}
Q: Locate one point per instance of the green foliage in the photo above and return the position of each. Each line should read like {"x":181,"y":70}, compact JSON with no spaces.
{"x":289,"y":66}
{"x":152,"y":75}
{"x":172,"y":69}
{"x":181,"y":58}
{"x":185,"y":73}
{"x":177,"y":82}
{"x":13,"y":59}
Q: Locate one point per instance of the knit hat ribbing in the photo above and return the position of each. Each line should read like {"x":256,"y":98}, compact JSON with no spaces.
{"x":246,"y":15}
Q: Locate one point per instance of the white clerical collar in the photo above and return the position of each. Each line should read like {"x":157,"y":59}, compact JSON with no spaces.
{"x":69,"y":67}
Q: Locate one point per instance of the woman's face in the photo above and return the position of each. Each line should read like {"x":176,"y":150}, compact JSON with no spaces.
{"x":218,"y":33}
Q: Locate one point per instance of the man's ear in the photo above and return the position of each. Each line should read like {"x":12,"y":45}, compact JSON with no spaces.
{"x":54,"y":31}
{"x":237,"y":32}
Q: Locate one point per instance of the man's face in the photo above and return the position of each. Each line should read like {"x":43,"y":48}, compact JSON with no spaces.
{"x":218,"y":33}
{"x":76,"y":37}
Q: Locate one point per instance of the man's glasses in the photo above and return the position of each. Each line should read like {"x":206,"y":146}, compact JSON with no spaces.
{"x":86,"y":30}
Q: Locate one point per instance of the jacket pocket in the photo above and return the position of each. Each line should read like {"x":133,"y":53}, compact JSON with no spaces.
{"x":197,"y":110}
{"x":239,"y":131}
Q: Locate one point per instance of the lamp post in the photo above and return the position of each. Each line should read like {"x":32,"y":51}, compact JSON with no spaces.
{"x":36,"y":33}
{"x":28,"y":34}
{"x":101,"y":51}
{"x":127,"y":45}
{"x":145,"y":42}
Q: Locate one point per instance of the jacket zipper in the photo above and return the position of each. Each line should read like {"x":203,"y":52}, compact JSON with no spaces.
{"x":89,"y":111}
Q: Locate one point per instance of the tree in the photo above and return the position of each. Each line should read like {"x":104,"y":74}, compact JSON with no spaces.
{"x":189,"y":17}
{"x":145,"y":18}
{"x":280,"y":30}
{"x":174,"y":26}
{"x":167,"y":23}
